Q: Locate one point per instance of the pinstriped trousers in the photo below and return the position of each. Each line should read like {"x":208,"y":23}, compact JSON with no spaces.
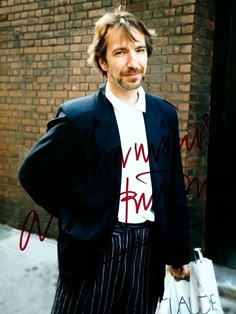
{"x":122,"y":283}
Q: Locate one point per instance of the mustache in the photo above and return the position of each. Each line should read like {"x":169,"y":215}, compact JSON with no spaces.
{"x":132,"y":71}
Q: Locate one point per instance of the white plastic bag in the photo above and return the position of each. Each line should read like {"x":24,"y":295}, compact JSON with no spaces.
{"x":196,"y":294}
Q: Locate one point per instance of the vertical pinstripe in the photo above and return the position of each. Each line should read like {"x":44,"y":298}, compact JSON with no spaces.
{"x":122,"y":284}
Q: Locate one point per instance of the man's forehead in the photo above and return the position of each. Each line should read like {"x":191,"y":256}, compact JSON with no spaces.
{"x":119,"y":36}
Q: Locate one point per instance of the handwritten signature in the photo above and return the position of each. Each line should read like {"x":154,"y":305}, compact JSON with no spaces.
{"x":126,"y":196}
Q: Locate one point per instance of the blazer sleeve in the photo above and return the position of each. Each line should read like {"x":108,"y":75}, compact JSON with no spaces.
{"x":43,"y":173}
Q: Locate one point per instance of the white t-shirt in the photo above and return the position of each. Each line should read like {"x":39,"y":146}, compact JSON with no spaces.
{"x":136,"y":189}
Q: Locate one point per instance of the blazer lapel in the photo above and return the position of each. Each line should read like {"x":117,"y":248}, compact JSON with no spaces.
{"x":107,"y":135}
{"x":155,"y":130}
{"x":156,"y":137}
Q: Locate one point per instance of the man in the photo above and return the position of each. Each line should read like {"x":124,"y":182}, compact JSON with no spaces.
{"x":109,"y":168}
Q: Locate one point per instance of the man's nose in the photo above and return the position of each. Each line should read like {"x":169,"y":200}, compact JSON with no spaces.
{"x":132,"y":59}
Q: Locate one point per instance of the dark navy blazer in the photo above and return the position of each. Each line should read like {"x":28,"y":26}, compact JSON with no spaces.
{"x":74,"y":172}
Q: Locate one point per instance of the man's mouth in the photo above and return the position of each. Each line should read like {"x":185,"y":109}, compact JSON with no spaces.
{"x":132,"y":73}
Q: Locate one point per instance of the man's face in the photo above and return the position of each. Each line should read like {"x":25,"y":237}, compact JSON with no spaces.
{"x":126,"y":61}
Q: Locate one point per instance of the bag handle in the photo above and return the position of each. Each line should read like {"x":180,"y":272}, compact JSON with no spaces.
{"x":198,"y":255}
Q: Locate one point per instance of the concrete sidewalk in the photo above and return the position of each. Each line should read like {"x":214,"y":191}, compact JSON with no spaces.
{"x":28,"y":277}
{"x":226,"y":280}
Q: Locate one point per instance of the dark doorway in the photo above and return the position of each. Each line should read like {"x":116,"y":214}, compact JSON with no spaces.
{"x":220,"y":236}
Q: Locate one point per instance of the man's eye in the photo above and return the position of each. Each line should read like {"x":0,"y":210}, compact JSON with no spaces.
{"x":120,"y":52}
{"x":141,"y":50}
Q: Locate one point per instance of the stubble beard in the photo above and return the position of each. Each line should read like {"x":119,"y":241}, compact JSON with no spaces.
{"x":131,"y":84}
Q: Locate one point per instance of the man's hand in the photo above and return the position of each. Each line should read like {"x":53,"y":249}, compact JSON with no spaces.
{"x":179,"y":272}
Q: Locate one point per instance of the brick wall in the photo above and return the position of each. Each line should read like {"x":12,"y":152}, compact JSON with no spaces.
{"x":43,"y":53}
{"x":198,"y":114}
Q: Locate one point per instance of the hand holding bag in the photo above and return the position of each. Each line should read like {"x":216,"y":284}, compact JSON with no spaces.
{"x":196,"y":294}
